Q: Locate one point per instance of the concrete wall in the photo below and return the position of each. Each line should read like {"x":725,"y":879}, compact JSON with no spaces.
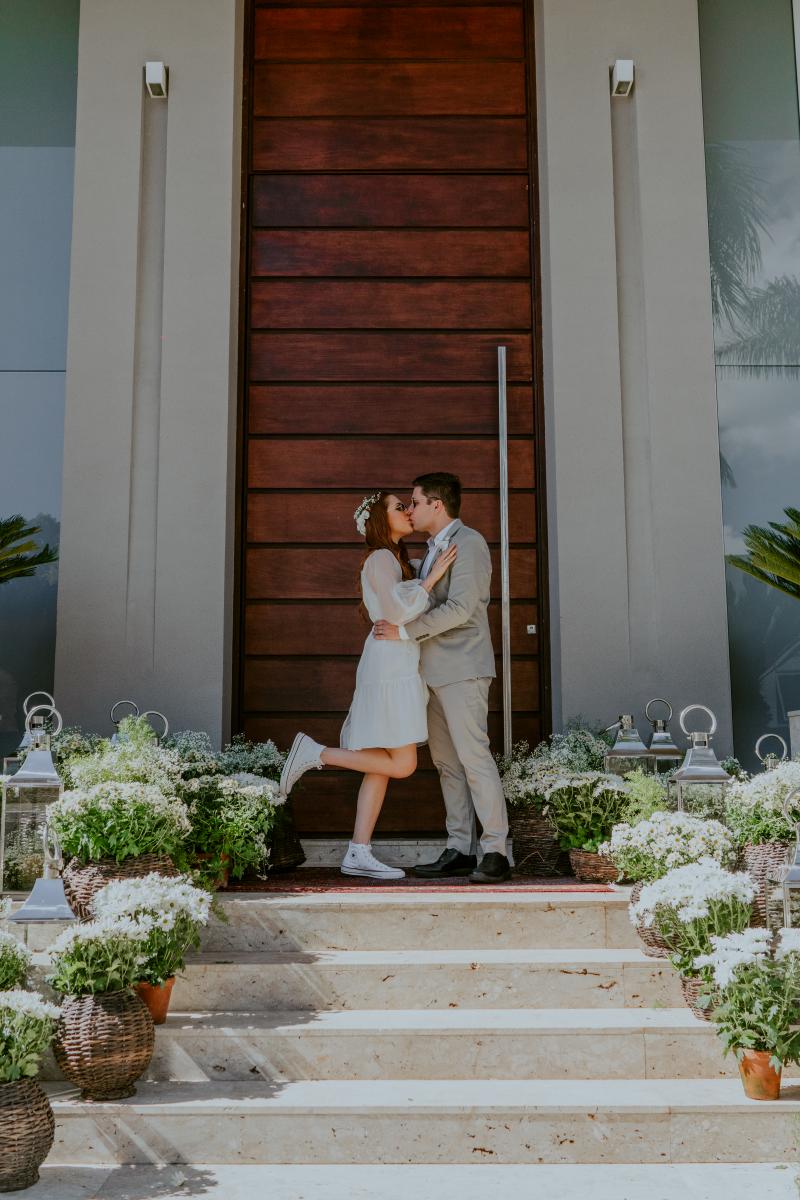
{"x":636,"y":552}
{"x":145,"y":590}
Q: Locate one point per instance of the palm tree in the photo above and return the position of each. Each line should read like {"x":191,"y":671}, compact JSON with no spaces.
{"x":773,"y":554}
{"x":767,"y":329}
{"x":20,"y":554}
{"x":737,"y":216}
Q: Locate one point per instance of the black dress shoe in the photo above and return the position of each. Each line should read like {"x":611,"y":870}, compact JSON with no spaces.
{"x":494,"y":868}
{"x":449,"y":862}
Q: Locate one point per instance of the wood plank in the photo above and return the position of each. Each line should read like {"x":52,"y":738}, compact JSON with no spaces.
{"x":326,"y":684}
{"x":309,"y":35}
{"x":388,"y":89}
{"x":306,"y":574}
{"x":329,"y":463}
{"x":319,"y":517}
{"x":390,"y":144}
{"x":372,"y":409}
{"x":434,"y":357}
{"x":338,"y":628}
{"x":373,"y":304}
{"x":326,"y":805}
{"x":468,"y":254}
{"x":383,"y":200}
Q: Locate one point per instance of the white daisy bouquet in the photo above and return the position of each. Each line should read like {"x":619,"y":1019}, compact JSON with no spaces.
{"x":176,"y":910}
{"x":100,"y":956}
{"x":119,"y":821}
{"x":691,"y":904}
{"x":754,"y":808}
{"x":584,"y":806}
{"x":15,"y":961}
{"x":27,"y":1025}
{"x":648,"y":850}
{"x":758,"y":986}
{"x":231,"y":819}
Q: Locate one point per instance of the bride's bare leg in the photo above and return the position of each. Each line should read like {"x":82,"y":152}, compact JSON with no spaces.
{"x":371,"y":795}
{"x":396,"y":764}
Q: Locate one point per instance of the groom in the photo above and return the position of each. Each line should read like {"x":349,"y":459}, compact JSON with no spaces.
{"x":457,"y":664}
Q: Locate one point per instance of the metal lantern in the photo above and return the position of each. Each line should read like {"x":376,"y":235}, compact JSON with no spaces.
{"x":26,"y":796}
{"x":790,"y":877}
{"x":628,"y":751}
{"x":15,"y":759}
{"x":664,"y":752}
{"x":770,"y":761}
{"x":153,"y":712}
{"x":701,"y":767}
{"x":116,"y":738}
{"x":48,"y":900}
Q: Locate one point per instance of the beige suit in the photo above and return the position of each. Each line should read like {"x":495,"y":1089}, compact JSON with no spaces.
{"x":457,"y":663}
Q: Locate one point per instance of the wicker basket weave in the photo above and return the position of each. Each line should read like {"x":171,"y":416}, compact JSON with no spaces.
{"x":533,"y":837}
{"x":589,"y":867}
{"x":692,"y":990}
{"x":27,"y":1129}
{"x":285,"y":849}
{"x":762,"y":861}
{"x":104,"y":1043}
{"x":652,"y":942}
{"x":82,"y":881}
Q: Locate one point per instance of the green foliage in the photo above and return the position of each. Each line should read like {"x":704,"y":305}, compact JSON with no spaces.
{"x":98,"y":957}
{"x":119,"y":821}
{"x":27,"y":1025}
{"x":687,"y":940}
{"x":15,"y":960}
{"x":231,"y":821}
{"x":585,"y":809}
{"x":254,"y":758}
{"x":20,"y":553}
{"x":647,"y":794}
{"x":773,"y":553}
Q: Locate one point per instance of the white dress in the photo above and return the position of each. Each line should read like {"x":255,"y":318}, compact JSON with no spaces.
{"x":390,"y":701}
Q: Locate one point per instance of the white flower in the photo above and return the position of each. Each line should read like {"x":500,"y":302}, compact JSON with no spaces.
{"x":103,"y":930}
{"x":733,"y":951}
{"x":10,"y":945}
{"x":30,"y":1004}
{"x":668,"y":840}
{"x":6,"y":905}
{"x":361,"y":515}
{"x":113,"y":797}
{"x":689,"y":890}
{"x":788,"y":943}
{"x":163,"y":899}
{"x":754,"y":807}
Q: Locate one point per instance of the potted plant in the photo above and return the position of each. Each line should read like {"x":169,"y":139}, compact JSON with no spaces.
{"x":116,"y":831}
{"x":756,"y":1015}
{"x":584,"y":807}
{"x":231,"y":818}
{"x":104,"y":1037}
{"x":264,"y":759}
{"x":176,"y":909}
{"x":650,"y":849}
{"x":754,"y":811}
{"x":15,"y":961}
{"x":688,"y":906}
{"x":27,"y":1128}
{"x":533,"y":835}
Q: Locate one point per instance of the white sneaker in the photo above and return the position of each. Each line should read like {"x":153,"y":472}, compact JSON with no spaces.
{"x":303,"y":756}
{"x":360,"y":860}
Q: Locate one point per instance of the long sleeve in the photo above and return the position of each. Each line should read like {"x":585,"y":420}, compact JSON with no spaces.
{"x":469,"y":580}
{"x":399,"y":600}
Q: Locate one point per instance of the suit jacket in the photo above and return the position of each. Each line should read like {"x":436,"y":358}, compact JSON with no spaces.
{"x":453,"y":635}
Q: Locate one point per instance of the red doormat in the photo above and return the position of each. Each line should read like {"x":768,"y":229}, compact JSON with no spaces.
{"x":330,"y":879}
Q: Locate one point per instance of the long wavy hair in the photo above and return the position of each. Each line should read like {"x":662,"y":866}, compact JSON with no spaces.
{"x":378,"y":537}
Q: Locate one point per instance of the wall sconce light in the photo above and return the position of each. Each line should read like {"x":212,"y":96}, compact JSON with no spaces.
{"x":156,"y":77}
{"x":622,"y":77}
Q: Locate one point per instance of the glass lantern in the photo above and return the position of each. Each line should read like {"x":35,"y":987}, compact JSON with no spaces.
{"x":628,"y":751}
{"x":702,"y":780}
{"x":770,"y":761}
{"x":665,"y":754}
{"x":116,"y":737}
{"x":26,"y":796}
{"x":12,"y":762}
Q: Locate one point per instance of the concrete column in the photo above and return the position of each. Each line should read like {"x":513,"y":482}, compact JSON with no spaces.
{"x":145,"y":586}
{"x":636,"y":551}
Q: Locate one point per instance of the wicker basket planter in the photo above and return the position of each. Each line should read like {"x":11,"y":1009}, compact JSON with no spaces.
{"x":536,"y":850}
{"x":82,"y":881}
{"x":104,"y":1043}
{"x":762,"y":861}
{"x":285,"y":849}
{"x":27,"y":1129}
{"x":692,"y":989}
{"x":589,"y":867}
{"x":652,"y":942}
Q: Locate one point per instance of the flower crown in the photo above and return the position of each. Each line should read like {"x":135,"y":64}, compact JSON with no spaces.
{"x":361,"y":515}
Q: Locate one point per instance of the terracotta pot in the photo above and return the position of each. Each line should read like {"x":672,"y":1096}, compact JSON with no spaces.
{"x":223,"y":876}
{"x":26,"y":1133}
{"x":103,"y":1043}
{"x":156,"y":997}
{"x":759,"y":1080}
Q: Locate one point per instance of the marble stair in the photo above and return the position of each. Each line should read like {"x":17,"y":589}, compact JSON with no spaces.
{"x":324,"y":1043}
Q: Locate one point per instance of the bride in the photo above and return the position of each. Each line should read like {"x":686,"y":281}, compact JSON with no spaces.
{"x":387,"y":719}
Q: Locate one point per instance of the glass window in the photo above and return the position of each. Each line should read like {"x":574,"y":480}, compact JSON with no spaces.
{"x":38,"y":85}
{"x":752,"y":134}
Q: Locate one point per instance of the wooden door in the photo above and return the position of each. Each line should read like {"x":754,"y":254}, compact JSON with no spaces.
{"x":389,"y":251}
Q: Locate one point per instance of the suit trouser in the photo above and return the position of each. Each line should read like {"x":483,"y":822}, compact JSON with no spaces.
{"x":458,"y":716}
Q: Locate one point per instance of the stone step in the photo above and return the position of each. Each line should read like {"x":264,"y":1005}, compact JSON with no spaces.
{"x":620,"y":1043}
{"x":378,"y":920}
{"x":422,"y":1121}
{"x":698,"y":1181}
{"x":352,"y":979}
